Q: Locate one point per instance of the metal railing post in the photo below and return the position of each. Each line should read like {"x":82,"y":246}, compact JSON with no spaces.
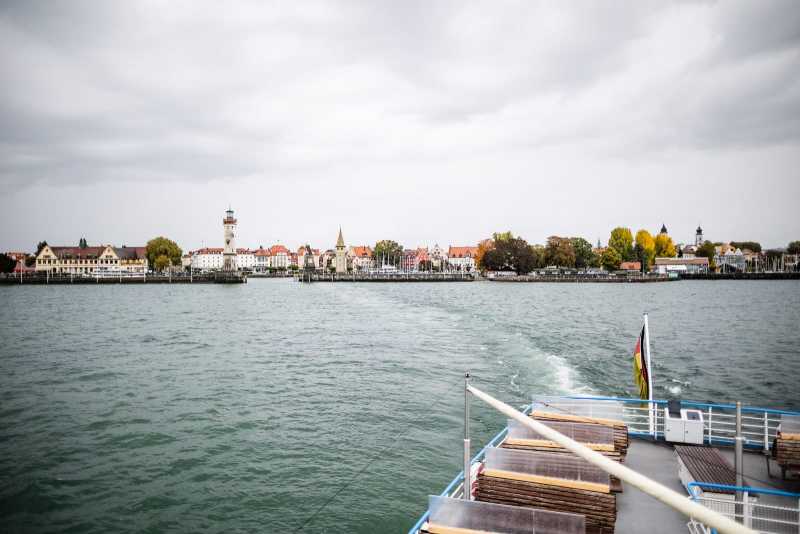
{"x":738,"y":457}
{"x":709,"y":424}
{"x":766,"y":433}
{"x":467,"y":466}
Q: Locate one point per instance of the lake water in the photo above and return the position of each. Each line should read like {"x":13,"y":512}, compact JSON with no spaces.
{"x":245,"y":408}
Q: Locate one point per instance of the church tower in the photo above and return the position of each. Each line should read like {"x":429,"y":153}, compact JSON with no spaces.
{"x":229,"y":252}
{"x":698,"y":236}
{"x":341,"y":259}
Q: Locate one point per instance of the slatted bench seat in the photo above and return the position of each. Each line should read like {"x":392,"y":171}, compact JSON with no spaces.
{"x":619,"y":428}
{"x":697,"y":463}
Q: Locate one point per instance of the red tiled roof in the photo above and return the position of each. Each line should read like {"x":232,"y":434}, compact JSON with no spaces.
{"x":131,"y":253}
{"x":277,"y":249}
{"x":209,"y":251}
{"x":302,"y":251}
{"x":462,"y":252}
{"x":20,"y":267}
{"x":682,"y":261}
{"x":630,"y":266}
{"x":77,"y":252}
{"x":362,"y":251}
{"x":262,"y":252}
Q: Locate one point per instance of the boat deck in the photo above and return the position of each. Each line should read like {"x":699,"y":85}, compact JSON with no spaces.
{"x":771,"y":507}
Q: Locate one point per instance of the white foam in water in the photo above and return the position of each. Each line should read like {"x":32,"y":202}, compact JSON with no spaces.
{"x":562,"y":372}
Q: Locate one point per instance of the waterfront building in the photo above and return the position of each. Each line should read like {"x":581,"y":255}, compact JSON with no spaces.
{"x":84,"y":259}
{"x":229,"y":250}
{"x":245,"y":259}
{"x":132,"y":259}
{"x":360,"y":257}
{"x":462,"y":258}
{"x":729,"y":259}
{"x":20,"y":268}
{"x":633,"y":266}
{"x":437,"y":257}
{"x":681,"y":265}
{"x":278,"y":257}
{"x":261,"y":258}
{"x":689,"y":251}
{"x":207,"y":259}
{"x":410,"y":261}
{"x":293,"y":259}
{"x":341,"y":255}
{"x":422,"y":254}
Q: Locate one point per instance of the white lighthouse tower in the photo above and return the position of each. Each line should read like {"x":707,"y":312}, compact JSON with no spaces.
{"x":229,"y":252}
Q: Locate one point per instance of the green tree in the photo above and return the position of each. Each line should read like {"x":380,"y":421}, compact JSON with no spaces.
{"x":161,"y":246}
{"x":610,"y":259}
{"x":510,"y":254}
{"x":793,"y":248}
{"x":82,"y":243}
{"x":161,"y":262}
{"x":621,"y":240}
{"x":707,"y":250}
{"x":387,"y":251}
{"x":665,"y":248}
{"x":645,"y":249}
{"x":559,"y":251}
{"x":7,"y":263}
{"x":425,"y":265}
{"x":40,"y":246}
{"x":753,"y":246}
{"x":584,"y":255}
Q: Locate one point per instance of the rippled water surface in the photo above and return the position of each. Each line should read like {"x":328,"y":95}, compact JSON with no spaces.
{"x":245,"y":408}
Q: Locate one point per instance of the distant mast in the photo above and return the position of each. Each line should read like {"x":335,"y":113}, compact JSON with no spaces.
{"x":229,"y":252}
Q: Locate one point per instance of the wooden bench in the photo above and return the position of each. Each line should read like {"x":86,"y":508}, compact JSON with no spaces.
{"x":786,"y":452}
{"x":698,"y":463}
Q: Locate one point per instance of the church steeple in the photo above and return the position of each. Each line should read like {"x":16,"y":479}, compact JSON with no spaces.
{"x":663,"y":228}
{"x":340,"y":241}
{"x":340,"y":263}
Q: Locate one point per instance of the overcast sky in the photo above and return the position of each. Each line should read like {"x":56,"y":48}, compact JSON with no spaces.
{"x":422,"y":122}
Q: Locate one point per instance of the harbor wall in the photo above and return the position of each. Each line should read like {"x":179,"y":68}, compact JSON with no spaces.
{"x":42,"y":279}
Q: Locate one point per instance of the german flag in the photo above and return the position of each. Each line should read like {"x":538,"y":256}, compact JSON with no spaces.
{"x":641,"y":373}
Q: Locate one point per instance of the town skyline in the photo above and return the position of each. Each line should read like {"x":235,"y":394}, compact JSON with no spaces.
{"x":541,"y":119}
{"x":245,"y":242}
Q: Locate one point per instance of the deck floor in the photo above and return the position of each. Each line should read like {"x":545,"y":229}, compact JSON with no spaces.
{"x":636,"y":510}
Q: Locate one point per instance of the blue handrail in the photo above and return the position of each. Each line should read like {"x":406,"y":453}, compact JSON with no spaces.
{"x":764,"y":491}
{"x":693,"y":404}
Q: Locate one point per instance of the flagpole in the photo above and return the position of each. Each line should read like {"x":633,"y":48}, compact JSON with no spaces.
{"x":651,"y":406}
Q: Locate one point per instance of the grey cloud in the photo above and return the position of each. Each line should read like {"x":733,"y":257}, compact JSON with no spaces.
{"x":97,"y":93}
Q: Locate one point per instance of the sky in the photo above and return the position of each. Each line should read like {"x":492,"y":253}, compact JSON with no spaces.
{"x":423,"y":122}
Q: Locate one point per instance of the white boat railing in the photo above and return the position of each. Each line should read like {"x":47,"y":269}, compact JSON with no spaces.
{"x":780,"y":516}
{"x":759,"y":425}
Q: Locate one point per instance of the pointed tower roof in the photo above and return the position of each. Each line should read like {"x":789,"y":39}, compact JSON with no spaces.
{"x":663,"y":228}
{"x":340,"y":241}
